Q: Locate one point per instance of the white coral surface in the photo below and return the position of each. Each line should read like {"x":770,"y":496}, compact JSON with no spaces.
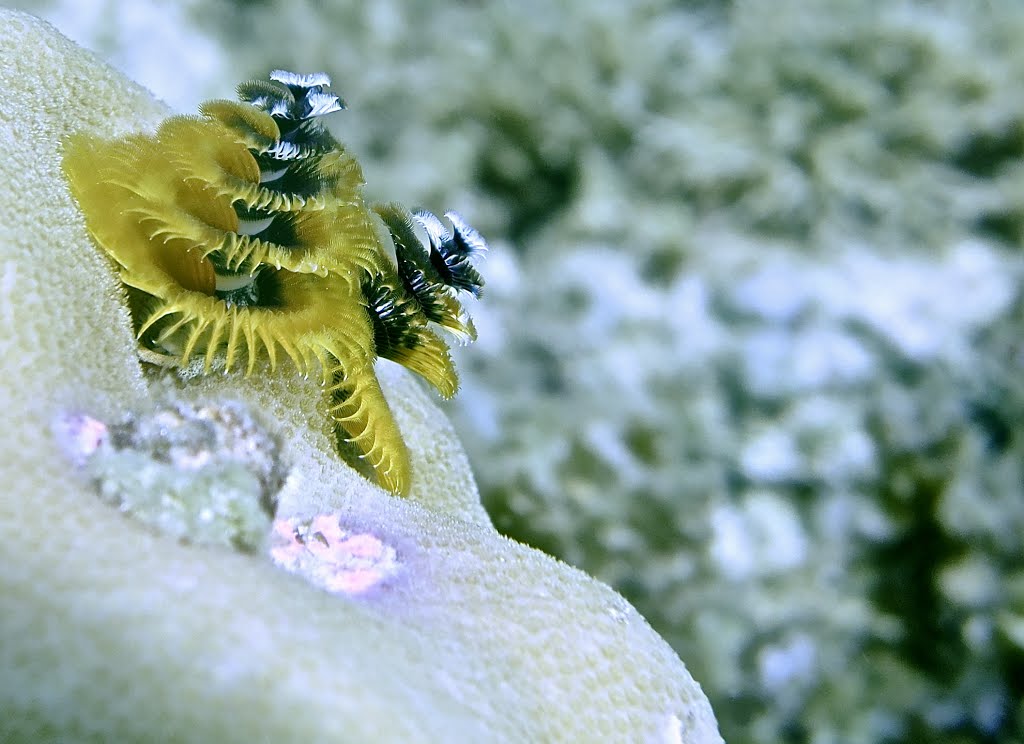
{"x":110,"y":631}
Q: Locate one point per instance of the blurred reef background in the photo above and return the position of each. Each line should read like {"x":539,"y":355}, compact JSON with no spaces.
{"x":752,"y":344}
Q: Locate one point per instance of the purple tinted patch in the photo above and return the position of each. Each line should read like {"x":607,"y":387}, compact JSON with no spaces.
{"x":331,"y":557}
{"x":80,"y":435}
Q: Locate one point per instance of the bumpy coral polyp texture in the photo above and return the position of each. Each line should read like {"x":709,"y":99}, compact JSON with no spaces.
{"x":378,"y":620}
{"x":243,"y":235}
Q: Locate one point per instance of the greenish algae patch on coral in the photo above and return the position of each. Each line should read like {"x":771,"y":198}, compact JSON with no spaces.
{"x":115,"y":632}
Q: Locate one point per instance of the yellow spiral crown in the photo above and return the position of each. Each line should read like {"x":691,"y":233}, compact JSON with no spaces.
{"x":242,"y":235}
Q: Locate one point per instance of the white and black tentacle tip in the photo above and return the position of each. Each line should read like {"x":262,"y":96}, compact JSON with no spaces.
{"x":279,"y":108}
{"x":306,"y":96}
{"x":450,"y":251}
{"x":298,"y":80}
{"x":437,"y":233}
{"x":318,"y":103}
{"x":468,"y":241}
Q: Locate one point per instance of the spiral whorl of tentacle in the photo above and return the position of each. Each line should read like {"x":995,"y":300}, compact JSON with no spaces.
{"x":244,"y":236}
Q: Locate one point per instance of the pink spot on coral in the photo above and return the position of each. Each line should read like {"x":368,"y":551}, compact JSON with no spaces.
{"x":330,"y":556}
{"x":81,"y":435}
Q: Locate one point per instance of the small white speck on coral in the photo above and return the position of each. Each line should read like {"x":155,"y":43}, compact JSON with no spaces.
{"x":672,"y":731}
